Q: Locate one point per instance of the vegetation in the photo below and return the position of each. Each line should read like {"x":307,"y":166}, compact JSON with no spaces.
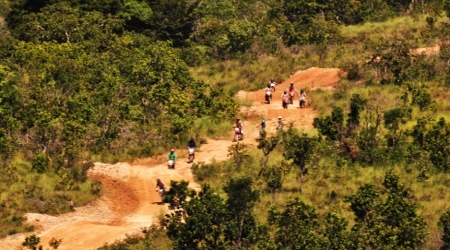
{"x":107,"y":80}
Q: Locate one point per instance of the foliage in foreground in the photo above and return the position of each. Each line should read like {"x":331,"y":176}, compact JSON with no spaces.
{"x":384,"y":218}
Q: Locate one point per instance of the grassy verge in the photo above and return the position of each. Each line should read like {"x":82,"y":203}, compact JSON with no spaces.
{"x":23,"y":190}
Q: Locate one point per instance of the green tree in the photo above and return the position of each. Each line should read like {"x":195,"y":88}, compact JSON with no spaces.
{"x":63,"y":23}
{"x":393,"y":118}
{"x":199,"y":222}
{"x":446,"y":7}
{"x":331,"y":126}
{"x":336,"y":232}
{"x":172,"y":20}
{"x":32,"y":243}
{"x":387,"y":221}
{"x":239,"y":151}
{"x":273,"y":175}
{"x":357,"y":105}
{"x":241,"y":227}
{"x":444,"y":224}
{"x":267,"y":145}
{"x":300,"y":149}
{"x":297,"y":226}
{"x":207,"y":221}
{"x":432,"y":138}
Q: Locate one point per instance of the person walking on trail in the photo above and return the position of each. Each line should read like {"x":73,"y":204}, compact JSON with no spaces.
{"x":171,"y":158}
{"x":285,"y":99}
{"x":160,"y":188}
{"x":302,"y":97}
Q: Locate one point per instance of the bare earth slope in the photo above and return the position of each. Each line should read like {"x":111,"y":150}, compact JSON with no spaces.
{"x":130,"y":202}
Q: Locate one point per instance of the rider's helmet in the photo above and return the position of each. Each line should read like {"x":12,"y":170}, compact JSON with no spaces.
{"x":158,"y":180}
{"x":292,"y":83}
{"x":285,"y":91}
{"x":263,"y":121}
{"x":172,"y":150}
{"x":279,"y":117}
{"x":237,"y":119}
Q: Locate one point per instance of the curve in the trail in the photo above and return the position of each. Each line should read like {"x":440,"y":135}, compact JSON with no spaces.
{"x":129,"y":201}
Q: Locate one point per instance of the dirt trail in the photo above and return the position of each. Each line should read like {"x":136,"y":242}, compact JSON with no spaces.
{"x":308,"y":80}
{"x":130,"y":201}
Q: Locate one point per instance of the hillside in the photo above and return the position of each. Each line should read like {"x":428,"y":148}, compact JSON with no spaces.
{"x":129,"y":201}
{"x":93,"y":94}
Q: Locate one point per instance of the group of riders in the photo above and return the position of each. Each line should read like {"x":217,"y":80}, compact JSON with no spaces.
{"x":171,"y":160}
{"x":287,"y":97}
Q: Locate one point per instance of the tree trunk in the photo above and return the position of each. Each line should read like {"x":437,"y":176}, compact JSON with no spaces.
{"x":263,"y":164}
{"x":301,"y":180}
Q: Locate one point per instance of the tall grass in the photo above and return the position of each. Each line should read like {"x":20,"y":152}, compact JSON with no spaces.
{"x":397,"y":27}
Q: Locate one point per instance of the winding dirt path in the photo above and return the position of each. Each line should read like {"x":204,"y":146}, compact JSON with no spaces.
{"x":130,"y":202}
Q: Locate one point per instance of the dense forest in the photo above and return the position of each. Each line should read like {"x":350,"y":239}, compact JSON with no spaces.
{"x":109,"y":80}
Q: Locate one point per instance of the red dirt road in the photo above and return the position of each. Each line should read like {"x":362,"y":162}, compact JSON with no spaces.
{"x":130,"y":201}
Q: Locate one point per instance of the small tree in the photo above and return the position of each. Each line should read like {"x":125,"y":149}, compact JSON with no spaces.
{"x":274,"y":177}
{"x":32,"y":242}
{"x":300,"y":149}
{"x":239,"y":151}
{"x":331,"y":126}
{"x":336,"y":232}
{"x":387,"y":221}
{"x":240,"y":203}
{"x":200,"y":222}
{"x":444,"y":224}
{"x":297,"y":226}
{"x":357,"y":104}
{"x":267,"y":145}
{"x":207,"y":221}
{"x":393,"y":118}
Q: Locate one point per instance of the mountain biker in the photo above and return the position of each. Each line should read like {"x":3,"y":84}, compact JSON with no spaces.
{"x":280,"y":123}
{"x":285,"y":99}
{"x":291,"y":92}
{"x":172,"y":157}
{"x":268,"y":94}
{"x":302,"y":97}
{"x":160,"y":187}
{"x":263,"y":124}
{"x":272,"y":84}
{"x":239,"y":124}
{"x":238,"y":132}
{"x":191,"y":146}
{"x":291,"y":86}
{"x":191,"y":143}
